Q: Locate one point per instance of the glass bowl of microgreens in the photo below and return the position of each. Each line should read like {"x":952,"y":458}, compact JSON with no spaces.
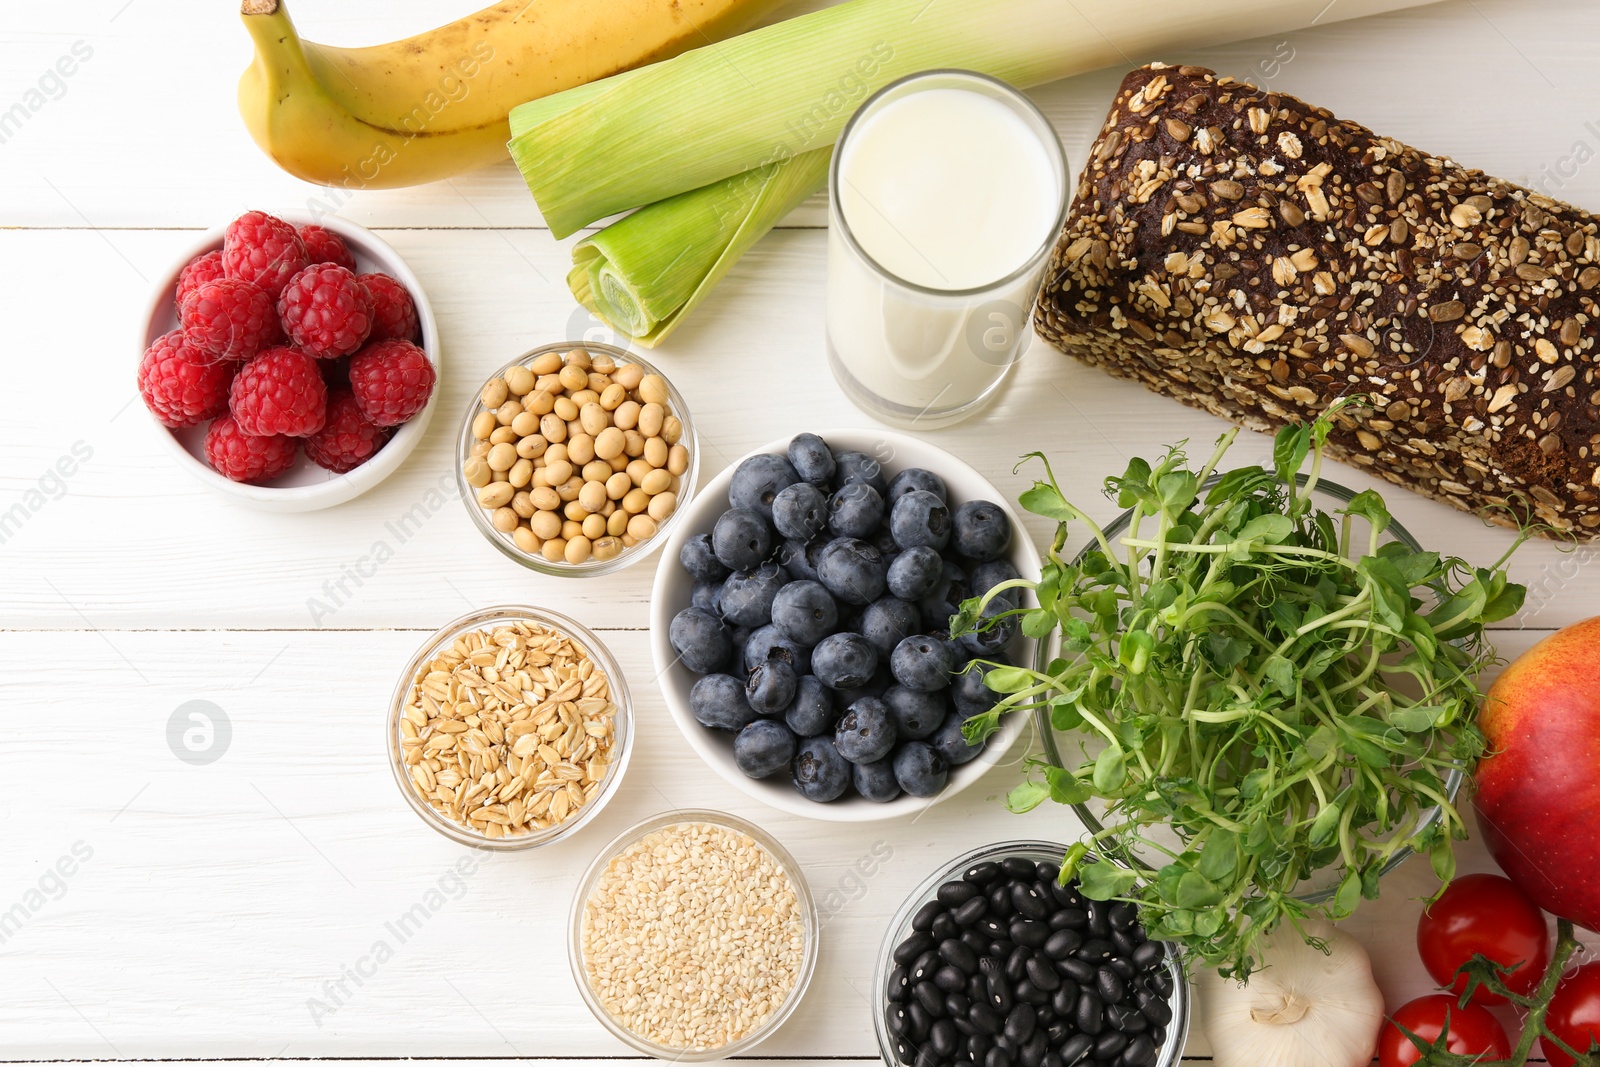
{"x":1255,"y":689}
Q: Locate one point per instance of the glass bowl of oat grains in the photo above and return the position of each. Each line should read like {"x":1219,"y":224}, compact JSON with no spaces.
{"x":693,"y":936}
{"x":510,"y":728}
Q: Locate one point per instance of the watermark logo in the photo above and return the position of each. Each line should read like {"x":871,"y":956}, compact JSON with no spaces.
{"x":50,"y":886}
{"x":49,"y":486}
{"x":199,"y":732}
{"x":50,"y":85}
{"x":998,"y":332}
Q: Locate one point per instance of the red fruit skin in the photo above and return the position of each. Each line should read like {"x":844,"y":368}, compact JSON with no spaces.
{"x":347,"y":439}
{"x":181,"y":385}
{"x":262,"y":249}
{"x":279,"y":392}
{"x":229,"y":319}
{"x":244,"y":458}
{"x":325,"y":246}
{"x":392,"y":381}
{"x":1574,"y":1014}
{"x":394,"y":313}
{"x":1538,"y":790}
{"x":1484,"y":914}
{"x":206,"y":267}
{"x":325,"y":311}
{"x":1473,"y":1031}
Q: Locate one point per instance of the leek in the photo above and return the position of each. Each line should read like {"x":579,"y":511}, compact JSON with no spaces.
{"x":642,"y":275}
{"x":786,"y":89}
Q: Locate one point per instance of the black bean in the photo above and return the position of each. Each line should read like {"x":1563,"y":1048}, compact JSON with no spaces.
{"x":1121,"y":938}
{"x":1076,"y":969}
{"x":1047,"y":873}
{"x":1046,"y":1014}
{"x":1020,"y":1023}
{"x":975,"y":941}
{"x":899,"y":985}
{"x":928,"y":1056}
{"x":923,"y":966}
{"x":1109,"y":985}
{"x":997,"y":1057}
{"x":1076,"y":1050}
{"x":982,"y":873}
{"x":1028,"y":902}
{"x":1002,"y":948}
{"x":903,"y":1050}
{"x":1119,"y":1015}
{"x":1141,"y":1052}
{"x":1064,"y":1000}
{"x":1156,"y":1009}
{"x":1159,"y":1036}
{"x":993,"y":962}
{"x":998,"y":995}
{"x":1000,"y":901}
{"x":950,"y":979}
{"x":899,"y":1019}
{"x":986,"y":1019}
{"x":1065,"y":895}
{"x":977,"y":1046}
{"x":964,"y":1024}
{"x":1124,"y":967}
{"x":1062,"y":944}
{"x":1149,"y":956}
{"x":971,"y":911}
{"x":1005,"y":1042}
{"x":944,"y":1039}
{"x":923,"y":919}
{"x":1017,"y":964}
{"x":1017,"y":867}
{"x":1050,"y":1058}
{"x":1109,"y":1045}
{"x":1099,"y":922}
{"x":1090,"y":1016}
{"x":1028,"y":932}
{"x":959,"y":954}
{"x":1163,"y":983}
{"x":991,"y":927}
{"x":958,"y":1004}
{"x":921,"y":1021}
{"x":956,"y":893}
{"x":1057,"y":1033}
{"x":1060,"y":920}
{"x":1042,"y":974}
{"x":913,"y":946}
{"x":1073,"y":918}
{"x":977,"y":986}
{"x":927,"y":994}
{"x":1096,"y":950}
{"x":945,"y":927}
{"x":1123,"y":915}
{"x":1027,"y":991}
{"x":1133,"y":1021}
{"x":1032,"y":1052}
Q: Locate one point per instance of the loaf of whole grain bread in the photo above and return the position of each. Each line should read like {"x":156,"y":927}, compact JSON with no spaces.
{"x":1255,"y":256}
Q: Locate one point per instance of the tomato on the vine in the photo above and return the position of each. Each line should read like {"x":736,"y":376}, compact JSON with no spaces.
{"x":1473,"y":1031}
{"x":1484,"y":914}
{"x":1574,"y":1014}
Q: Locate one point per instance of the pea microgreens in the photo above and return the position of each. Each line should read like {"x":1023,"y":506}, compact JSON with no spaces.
{"x":1257,"y":691}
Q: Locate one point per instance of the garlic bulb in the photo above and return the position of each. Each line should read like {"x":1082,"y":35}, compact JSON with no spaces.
{"x":1301,"y":1008}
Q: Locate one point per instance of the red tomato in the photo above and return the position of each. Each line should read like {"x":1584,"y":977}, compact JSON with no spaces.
{"x":1473,"y":1031}
{"x":1574,"y":1014}
{"x":1484,"y":914}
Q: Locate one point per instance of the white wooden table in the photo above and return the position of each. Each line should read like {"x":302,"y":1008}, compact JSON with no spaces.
{"x":210,"y":906}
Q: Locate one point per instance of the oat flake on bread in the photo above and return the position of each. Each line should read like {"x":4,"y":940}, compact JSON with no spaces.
{"x":1253,"y":255}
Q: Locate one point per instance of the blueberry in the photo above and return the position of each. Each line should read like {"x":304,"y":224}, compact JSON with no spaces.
{"x":915,"y":573}
{"x":980,"y":531}
{"x":820,"y":773}
{"x":700,"y":560}
{"x":939,"y":605}
{"x":810,"y":457}
{"x":920,"y":770}
{"x":884,"y":542}
{"x":852,"y":570}
{"x":843,"y":660}
{"x":865,"y":733}
{"x":804,"y":612}
{"x":769,"y":641}
{"x":856,"y":510}
{"x":920,"y":518}
{"x":813,"y":711}
{"x":799,"y":558}
{"x":860,"y":467}
{"x":969,"y":693}
{"x":997,"y":634}
{"x":717,"y":701}
{"x":985,"y":576}
{"x":757,"y":481}
{"x":741,"y":539}
{"x":876,"y":781}
{"x":746,"y":597}
{"x":704,"y":596}
{"x":949,"y":743}
{"x":916,"y":715}
{"x":875,"y":686}
{"x":888,"y":621}
{"x":740,"y":636}
{"x":771,"y":686}
{"x":916,"y":478}
{"x":700,"y":639}
{"x":922,"y":663}
{"x":800,"y":511}
{"x":763,"y":748}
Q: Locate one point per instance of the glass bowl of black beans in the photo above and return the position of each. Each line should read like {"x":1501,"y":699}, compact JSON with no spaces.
{"x":992,"y":962}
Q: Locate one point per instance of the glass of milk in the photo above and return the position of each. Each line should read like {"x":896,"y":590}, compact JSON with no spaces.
{"x":946,"y":192}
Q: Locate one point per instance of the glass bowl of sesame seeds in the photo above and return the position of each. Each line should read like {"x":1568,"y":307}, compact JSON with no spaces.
{"x":693,"y":936}
{"x":510,"y":728}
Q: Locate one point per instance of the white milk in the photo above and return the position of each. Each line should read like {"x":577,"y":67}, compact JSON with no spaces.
{"x":953,"y":190}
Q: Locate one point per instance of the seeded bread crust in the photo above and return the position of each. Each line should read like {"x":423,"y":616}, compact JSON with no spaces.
{"x":1257,"y":257}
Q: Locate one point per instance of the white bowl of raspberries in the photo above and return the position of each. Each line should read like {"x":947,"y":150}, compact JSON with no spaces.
{"x":800,"y":623}
{"x":292,"y":363}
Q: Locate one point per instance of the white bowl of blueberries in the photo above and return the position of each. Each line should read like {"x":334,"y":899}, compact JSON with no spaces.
{"x":800,"y":623}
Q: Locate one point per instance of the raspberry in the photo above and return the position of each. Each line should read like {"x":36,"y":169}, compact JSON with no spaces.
{"x":229,"y":319}
{"x":394,"y":315}
{"x":243,"y":457}
{"x":392,"y":381}
{"x":347,"y":439}
{"x":206,"y":267}
{"x":262,"y":249}
{"x":279,"y":392}
{"x":326,"y":311}
{"x":325,"y":246}
{"x":181,"y":385}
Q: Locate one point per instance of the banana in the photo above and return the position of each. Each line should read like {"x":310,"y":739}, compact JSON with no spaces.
{"x":434,"y":105}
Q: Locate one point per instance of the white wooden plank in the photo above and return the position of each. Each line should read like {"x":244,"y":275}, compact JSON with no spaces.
{"x":146,"y":132}
{"x":217,"y":900}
